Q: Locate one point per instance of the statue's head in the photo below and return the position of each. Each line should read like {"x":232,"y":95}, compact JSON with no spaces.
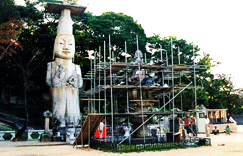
{"x":64,"y":46}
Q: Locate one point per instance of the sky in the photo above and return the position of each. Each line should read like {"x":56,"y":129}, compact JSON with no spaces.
{"x":216,"y":26}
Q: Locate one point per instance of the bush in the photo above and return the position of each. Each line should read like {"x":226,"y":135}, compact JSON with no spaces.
{"x":24,"y":137}
{"x":5,"y":128}
{"x":7,"y":136}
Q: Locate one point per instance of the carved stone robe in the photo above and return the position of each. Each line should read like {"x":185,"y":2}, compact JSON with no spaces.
{"x":65,"y":92}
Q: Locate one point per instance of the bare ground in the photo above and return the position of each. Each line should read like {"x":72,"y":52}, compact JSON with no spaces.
{"x":233,"y":147}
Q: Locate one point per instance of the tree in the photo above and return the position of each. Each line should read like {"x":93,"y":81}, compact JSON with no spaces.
{"x":209,"y":93}
{"x":8,"y":10}
{"x":121,"y":28}
{"x":212,"y":91}
{"x":10,"y":27}
{"x":8,"y":38}
{"x":228,"y":100}
{"x":26,"y":68}
{"x":156,"y":44}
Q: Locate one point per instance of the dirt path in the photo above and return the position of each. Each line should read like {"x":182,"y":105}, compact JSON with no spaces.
{"x":233,"y":147}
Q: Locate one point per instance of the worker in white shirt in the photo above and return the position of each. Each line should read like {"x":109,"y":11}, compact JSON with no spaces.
{"x":207,"y":122}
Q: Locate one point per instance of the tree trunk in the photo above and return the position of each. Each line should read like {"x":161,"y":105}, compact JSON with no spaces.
{"x":209,"y":103}
{"x":25,"y":101}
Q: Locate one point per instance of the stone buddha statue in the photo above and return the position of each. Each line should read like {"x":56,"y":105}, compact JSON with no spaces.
{"x":138,"y":56}
{"x":63,"y":76}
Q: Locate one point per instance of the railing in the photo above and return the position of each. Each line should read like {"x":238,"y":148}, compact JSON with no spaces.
{"x":32,"y":135}
{"x":7,"y":135}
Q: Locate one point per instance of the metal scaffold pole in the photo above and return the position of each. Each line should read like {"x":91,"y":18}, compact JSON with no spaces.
{"x":161,"y":56}
{"x":112,"y":119}
{"x":141,"y":101}
{"x":99,"y":75}
{"x":167,"y":64}
{"x":164,"y":99}
{"x":173,"y":101}
{"x":194,"y":71}
{"x":105,"y":82}
{"x":168,"y":81}
{"x":89,"y":121}
{"x":126,"y":77}
{"x":94,"y":80}
{"x":179,"y":60}
{"x":181,"y":95}
{"x":163,"y":82}
{"x":91,"y":82}
{"x":161,"y":59}
{"x":127,"y":87}
{"x":141,"y":91}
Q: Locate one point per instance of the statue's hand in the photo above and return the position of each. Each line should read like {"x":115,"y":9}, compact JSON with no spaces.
{"x":73,"y":80}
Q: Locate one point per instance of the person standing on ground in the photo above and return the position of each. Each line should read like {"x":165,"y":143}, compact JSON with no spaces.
{"x":187,"y":126}
{"x":207,"y":122}
{"x":194,"y":125}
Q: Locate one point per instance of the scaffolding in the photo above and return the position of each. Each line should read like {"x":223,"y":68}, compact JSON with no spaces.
{"x":123,"y":97}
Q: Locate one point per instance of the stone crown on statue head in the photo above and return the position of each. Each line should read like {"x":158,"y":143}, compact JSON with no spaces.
{"x":64,"y":28}
{"x":65,"y":24}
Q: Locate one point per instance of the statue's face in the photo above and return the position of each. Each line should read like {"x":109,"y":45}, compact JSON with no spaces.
{"x":64,"y":46}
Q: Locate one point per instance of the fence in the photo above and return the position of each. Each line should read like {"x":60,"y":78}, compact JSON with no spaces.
{"x":132,"y":147}
{"x":7,"y":135}
{"x":32,"y":135}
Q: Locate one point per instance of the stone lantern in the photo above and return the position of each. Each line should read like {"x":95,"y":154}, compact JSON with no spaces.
{"x":46,"y":136}
{"x":47,"y":114}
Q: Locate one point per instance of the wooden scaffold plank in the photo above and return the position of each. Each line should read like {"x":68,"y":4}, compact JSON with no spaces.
{"x":89,"y":127}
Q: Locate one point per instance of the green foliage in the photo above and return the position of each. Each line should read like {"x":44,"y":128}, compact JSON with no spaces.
{"x":5,"y":128}
{"x":24,"y":137}
{"x":52,"y":1}
{"x":209,"y":62}
{"x":35,"y":135}
{"x":25,"y":70}
{"x":8,"y":10}
{"x":156,"y":44}
{"x":7,"y":136}
{"x":121,"y":28}
{"x":126,"y":148}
